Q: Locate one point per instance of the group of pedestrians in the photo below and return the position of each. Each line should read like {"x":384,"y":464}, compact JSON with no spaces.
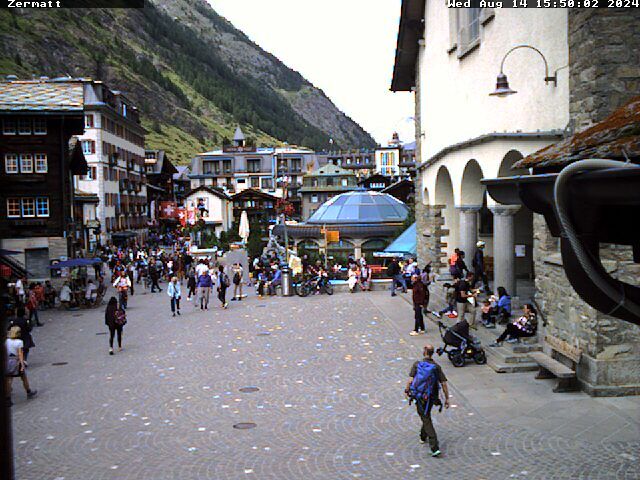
{"x":202,"y":279}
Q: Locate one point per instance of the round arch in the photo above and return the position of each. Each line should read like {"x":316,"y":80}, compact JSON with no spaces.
{"x":471,"y":190}
{"x":425,"y":196}
{"x":444,"y":197}
{"x":506,"y":170}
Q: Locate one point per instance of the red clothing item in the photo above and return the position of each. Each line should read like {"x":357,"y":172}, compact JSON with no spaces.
{"x":419,"y":293}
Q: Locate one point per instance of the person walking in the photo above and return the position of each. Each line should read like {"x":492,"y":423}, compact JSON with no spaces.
{"x":222,"y":284}
{"x":478,"y":266}
{"x":174,"y":291}
{"x":114,"y":318}
{"x":238,"y":273}
{"x":204,"y":289}
{"x":32,"y":305}
{"x":393,"y":270}
{"x":419,"y":296}
{"x":425,"y":379}
{"x":122,"y":284}
{"x":20,"y":320}
{"x":154,"y":275}
{"x":16,"y":366}
{"x":131,"y":271}
{"x":192,"y":283}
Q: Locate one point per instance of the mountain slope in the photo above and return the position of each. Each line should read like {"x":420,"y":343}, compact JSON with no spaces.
{"x":193,"y":75}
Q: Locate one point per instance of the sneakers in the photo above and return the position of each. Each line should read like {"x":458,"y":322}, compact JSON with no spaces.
{"x":173,"y":315}
{"x":179,"y":312}
{"x":490,"y":325}
{"x":436,"y":314}
{"x":513,"y":340}
{"x":225,"y":305}
{"x":414,"y":333}
{"x":32,"y":394}
{"x":495,"y":344}
{"x":111,"y":351}
{"x":435,"y":453}
{"x":423,"y":441}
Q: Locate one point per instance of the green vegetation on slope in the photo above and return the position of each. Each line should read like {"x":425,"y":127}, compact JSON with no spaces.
{"x":190,"y":97}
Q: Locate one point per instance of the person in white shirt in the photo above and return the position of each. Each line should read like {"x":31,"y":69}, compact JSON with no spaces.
{"x":15,"y":366}
{"x":123,"y":284}
{"x":201,"y":268}
{"x":91,"y":292}
{"x":65,"y":295}
{"x":20,"y":289}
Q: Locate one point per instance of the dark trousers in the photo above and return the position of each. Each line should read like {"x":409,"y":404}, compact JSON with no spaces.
{"x":123,"y":296}
{"x":427,"y":432}
{"x":419,"y":324}
{"x":480,"y":275}
{"x":513,"y":332}
{"x":261,"y":288}
{"x":192,"y":292}
{"x":131,"y":280}
{"x":154,"y":284}
{"x":112,"y":332}
{"x":398,"y":280}
{"x":175,"y":304}
{"x":33,"y":314}
{"x":222,"y":295}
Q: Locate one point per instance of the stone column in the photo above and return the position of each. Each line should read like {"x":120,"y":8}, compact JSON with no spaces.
{"x":468,"y":230}
{"x":504,"y":256}
{"x":357,"y":248}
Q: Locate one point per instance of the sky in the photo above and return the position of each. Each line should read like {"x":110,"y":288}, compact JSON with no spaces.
{"x":344,"y":47}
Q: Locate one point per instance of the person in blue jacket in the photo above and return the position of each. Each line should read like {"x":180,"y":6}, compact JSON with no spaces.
{"x":175,"y":292}
{"x":204,"y":289}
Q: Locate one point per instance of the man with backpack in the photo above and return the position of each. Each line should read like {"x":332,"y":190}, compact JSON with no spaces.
{"x":238,"y":272}
{"x":222,"y":284}
{"x":425,"y":379}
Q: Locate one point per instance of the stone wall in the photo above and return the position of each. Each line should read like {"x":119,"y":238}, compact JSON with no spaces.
{"x":429,"y":222}
{"x":604,"y":56}
{"x":610,"y":363}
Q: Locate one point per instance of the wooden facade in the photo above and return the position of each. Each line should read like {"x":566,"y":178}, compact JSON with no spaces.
{"x":38,"y":166}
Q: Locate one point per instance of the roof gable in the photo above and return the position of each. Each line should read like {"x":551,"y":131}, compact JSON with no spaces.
{"x":213,"y":191}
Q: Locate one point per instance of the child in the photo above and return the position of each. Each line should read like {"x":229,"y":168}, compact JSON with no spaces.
{"x":450,"y":309}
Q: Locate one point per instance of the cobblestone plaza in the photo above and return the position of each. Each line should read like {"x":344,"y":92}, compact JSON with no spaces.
{"x":330,"y":405}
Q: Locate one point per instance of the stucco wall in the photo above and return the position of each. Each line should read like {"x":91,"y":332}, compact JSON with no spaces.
{"x":455,"y":99}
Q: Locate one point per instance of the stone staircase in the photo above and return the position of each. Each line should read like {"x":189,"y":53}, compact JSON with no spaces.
{"x":509,"y":358}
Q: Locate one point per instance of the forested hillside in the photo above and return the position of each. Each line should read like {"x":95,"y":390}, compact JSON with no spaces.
{"x":193,"y":75}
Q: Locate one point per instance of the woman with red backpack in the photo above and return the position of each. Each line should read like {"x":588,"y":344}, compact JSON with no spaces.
{"x":115,"y":318}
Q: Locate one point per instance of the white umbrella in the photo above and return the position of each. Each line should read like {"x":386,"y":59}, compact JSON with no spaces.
{"x":243,"y":229}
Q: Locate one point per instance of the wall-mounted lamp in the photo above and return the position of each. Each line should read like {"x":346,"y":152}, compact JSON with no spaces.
{"x":502,"y":84}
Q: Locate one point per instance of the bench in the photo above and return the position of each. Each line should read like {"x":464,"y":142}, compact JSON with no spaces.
{"x":552,"y":368}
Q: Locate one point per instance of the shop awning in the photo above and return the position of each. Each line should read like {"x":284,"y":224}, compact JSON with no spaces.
{"x":404,"y":245}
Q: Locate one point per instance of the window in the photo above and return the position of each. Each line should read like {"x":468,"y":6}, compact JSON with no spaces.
{"x":267,"y":183}
{"x":13,"y":207}
{"x":40,"y":126}
{"x":41,"y":163}
{"x":28,"y":207}
{"x":314,"y":182}
{"x":255,"y":182}
{"x":124,"y":109}
{"x":88,"y":121}
{"x":227,"y":166}
{"x":11,"y":163}
{"x":42,"y":206}
{"x":253,"y":165}
{"x":9,"y":127}
{"x":329,"y":182}
{"x":24,"y":126}
{"x":464,"y":28}
{"x":92,"y":174}
{"x":88,"y":147}
{"x":314,"y":199}
{"x":26,"y":163}
{"x":241,"y":180}
{"x":345,"y":182}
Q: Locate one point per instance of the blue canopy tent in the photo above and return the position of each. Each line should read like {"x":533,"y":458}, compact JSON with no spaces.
{"x":76,"y":262}
{"x":403,"y":246}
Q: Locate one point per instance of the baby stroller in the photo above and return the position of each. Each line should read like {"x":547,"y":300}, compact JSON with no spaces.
{"x":459,"y":349}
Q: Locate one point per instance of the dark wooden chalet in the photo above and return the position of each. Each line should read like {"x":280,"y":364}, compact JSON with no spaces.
{"x":38,"y":119}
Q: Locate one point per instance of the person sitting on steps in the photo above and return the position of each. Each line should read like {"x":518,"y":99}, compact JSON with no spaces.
{"x":525,"y":326}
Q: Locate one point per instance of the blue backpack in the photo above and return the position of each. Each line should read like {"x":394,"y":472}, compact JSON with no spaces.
{"x":425,"y":387}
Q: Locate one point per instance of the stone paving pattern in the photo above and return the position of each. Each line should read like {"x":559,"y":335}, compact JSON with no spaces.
{"x":331,"y":375}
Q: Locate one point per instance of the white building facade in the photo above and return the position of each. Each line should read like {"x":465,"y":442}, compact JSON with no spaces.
{"x":464,"y":135}
{"x":113,"y":144}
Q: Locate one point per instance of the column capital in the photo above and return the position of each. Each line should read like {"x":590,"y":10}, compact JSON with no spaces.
{"x":505,"y":210}
{"x":468,"y":208}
